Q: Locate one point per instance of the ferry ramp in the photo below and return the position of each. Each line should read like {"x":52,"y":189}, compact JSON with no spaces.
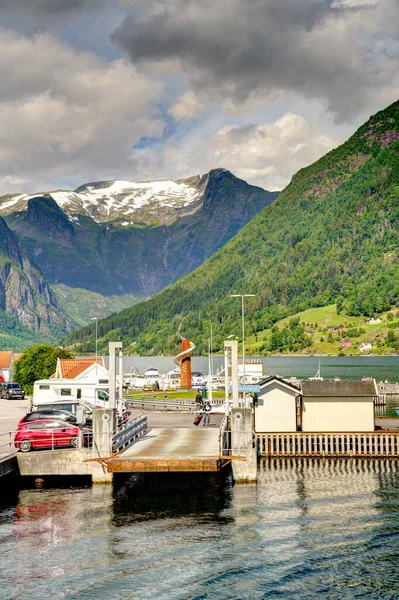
{"x":172,"y":443}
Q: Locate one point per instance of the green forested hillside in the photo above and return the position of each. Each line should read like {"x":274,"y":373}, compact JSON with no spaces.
{"x":330,"y":237}
{"x":82,"y":305}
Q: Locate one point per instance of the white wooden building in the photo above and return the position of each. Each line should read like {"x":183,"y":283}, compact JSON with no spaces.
{"x":277,"y":406}
{"x":338,"y":406}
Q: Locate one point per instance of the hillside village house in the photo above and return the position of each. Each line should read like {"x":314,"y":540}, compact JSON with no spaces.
{"x":7,"y":360}
{"x":365,"y":347}
{"x":373,"y":321}
{"x":345,"y":343}
{"x":277,"y":406}
{"x":338,"y":406}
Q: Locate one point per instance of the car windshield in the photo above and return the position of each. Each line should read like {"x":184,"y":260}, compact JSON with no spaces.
{"x":14,"y":386}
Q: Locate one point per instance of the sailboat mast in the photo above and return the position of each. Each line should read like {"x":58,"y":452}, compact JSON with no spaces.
{"x":210,"y":376}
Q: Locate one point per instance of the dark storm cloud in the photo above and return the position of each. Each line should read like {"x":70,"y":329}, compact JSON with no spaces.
{"x":48,"y":7}
{"x":234,"y":50}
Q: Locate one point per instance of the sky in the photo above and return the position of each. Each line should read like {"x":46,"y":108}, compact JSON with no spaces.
{"x":156,"y":89}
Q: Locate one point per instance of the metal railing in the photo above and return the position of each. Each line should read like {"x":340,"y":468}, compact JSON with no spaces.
{"x":127,"y":433}
{"x":7,"y":442}
{"x":224,"y":437}
{"x":164,"y":405}
{"x":75,"y":442}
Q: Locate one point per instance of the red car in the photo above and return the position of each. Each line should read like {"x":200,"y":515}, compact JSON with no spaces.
{"x":49,"y":433}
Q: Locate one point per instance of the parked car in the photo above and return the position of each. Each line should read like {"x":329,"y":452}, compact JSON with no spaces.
{"x":50,"y":433}
{"x":45,"y":414}
{"x":12,"y":391}
{"x":52,"y":413}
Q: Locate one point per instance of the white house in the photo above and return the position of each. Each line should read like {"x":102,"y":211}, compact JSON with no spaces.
{"x":82,"y":369}
{"x":277,"y":406}
{"x":338,"y":406}
{"x":373,"y":321}
{"x":365,"y":347}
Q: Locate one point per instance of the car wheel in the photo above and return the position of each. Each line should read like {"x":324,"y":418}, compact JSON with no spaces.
{"x":74,"y":442}
{"x":25,"y":446}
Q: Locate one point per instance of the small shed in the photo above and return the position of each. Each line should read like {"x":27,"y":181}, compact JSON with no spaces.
{"x":338,"y":405}
{"x":277,"y":406}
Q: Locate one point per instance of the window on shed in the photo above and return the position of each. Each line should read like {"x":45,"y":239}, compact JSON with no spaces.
{"x":65,"y":391}
{"x":103,"y":381}
{"x":44,"y":387}
{"x":78,"y":394}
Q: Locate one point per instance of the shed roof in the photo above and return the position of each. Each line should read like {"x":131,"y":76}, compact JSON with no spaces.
{"x":5,"y":360}
{"x":265,"y":382}
{"x":339,"y":388}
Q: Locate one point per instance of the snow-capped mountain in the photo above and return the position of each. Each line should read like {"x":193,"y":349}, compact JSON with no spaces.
{"x":128,"y":202}
{"x":121,"y":237}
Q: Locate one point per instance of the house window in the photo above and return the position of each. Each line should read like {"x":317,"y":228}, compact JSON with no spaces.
{"x":44,"y":387}
{"x":65,"y":391}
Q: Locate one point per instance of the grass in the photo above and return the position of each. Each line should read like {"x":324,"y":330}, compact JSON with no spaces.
{"x":316,"y":321}
{"x":171,"y":396}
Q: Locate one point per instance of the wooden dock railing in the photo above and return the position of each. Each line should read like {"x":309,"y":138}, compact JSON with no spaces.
{"x":328,"y":444}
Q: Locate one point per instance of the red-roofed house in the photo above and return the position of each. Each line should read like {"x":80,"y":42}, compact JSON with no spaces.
{"x":345,"y":343}
{"x":7,"y":360}
{"x":81,"y":369}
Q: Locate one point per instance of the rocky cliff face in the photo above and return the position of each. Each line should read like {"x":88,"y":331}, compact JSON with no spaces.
{"x":24,"y":292}
{"x":160,"y":231}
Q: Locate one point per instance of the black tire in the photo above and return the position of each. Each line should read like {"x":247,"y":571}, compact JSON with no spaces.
{"x":74,"y":442}
{"x":25,"y":446}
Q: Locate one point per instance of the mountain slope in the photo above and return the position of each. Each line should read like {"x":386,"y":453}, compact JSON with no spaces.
{"x":173,"y":227}
{"x":331,"y":236}
{"x":25,"y":294}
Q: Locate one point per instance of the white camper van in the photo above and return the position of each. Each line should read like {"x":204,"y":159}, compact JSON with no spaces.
{"x":59,"y":391}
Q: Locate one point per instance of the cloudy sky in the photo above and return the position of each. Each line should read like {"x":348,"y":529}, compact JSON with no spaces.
{"x":151,"y":89}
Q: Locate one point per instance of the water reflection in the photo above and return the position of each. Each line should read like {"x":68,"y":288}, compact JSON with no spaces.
{"x":310,"y":529}
{"x":158,"y":495}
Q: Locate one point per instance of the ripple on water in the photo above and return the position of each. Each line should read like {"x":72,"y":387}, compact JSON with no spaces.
{"x":308,"y":530}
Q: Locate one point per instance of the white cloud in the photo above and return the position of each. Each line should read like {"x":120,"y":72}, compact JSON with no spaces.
{"x":186,"y":106}
{"x":68,"y":113}
{"x":269,"y":154}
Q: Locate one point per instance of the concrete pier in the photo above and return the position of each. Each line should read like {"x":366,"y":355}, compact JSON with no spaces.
{"x":242,"y":444}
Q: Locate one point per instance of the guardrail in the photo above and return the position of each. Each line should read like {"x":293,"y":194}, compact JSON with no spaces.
{"x":46,"y":441}
{"x":328,"y":444}
{"x":224,"y":437}
{"x":127,"y":433}
{"x":169,"y":405}
{"x":9,"y":444}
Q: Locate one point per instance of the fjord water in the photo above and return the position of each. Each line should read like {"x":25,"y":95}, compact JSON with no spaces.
{"x":308,"y":530}
{"x":344,"y":367}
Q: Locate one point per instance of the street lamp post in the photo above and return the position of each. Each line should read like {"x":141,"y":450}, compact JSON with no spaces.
{"x":96,"y":320}
{"x":242,"y":296}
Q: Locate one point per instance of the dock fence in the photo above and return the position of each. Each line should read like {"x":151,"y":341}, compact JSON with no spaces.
{"x":328,"y":444}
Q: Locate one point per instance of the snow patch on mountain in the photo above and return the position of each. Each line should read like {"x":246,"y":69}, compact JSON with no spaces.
{"x":111,"y":200}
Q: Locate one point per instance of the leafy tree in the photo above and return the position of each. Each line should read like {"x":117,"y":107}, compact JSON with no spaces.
{"x":38,"y":362}
{"x":391,"y":338}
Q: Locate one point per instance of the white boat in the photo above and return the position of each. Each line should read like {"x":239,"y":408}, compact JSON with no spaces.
{"x":317,"y":377}
{"x":151,"y":372}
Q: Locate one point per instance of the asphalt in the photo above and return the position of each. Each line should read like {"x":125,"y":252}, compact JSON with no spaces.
{"x":11,"y":412}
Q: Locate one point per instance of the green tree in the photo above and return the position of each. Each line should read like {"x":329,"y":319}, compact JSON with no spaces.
{"x":38,"y":362}
{"x":391,"y":338}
